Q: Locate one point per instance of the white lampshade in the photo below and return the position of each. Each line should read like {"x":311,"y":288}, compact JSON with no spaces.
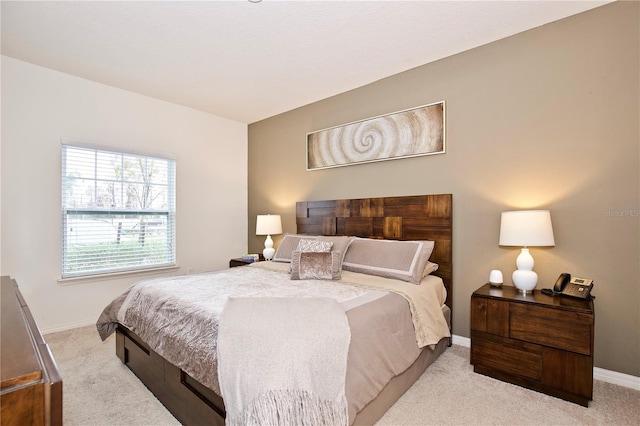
{"x":526,"y":228}
{"x":268,"y":224}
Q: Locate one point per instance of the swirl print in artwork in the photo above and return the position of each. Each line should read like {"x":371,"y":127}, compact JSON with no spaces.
{"x":408,"y":133}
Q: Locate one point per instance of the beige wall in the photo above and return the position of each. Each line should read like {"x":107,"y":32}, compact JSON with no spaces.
{"x":38,"y":107}
{"x":545,"y":119}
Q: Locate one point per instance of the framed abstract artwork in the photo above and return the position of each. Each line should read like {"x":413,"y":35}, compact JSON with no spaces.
{"x":409,"y":133}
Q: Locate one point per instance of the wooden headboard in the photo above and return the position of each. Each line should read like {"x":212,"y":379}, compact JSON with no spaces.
{"x":419,"y":217}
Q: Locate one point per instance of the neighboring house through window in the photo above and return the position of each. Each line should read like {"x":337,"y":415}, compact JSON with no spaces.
{"x":118,"y":211}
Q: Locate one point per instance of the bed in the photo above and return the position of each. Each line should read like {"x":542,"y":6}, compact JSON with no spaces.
{"x":366,"y":291}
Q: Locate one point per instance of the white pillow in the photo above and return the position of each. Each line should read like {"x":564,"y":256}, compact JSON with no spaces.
{"x":429,"y":268}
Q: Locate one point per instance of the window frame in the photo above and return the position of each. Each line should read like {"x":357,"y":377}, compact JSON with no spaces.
{"x":168,"y":253}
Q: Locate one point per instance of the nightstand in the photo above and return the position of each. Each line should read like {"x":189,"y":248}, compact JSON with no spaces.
{"x":540,"y":342}
{"x":238,"y":261}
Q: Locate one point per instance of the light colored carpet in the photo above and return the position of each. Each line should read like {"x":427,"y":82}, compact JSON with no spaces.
{"x":100,"y":390}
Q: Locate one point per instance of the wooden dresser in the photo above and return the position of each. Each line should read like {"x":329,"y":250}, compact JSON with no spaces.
{"x":31,"y":385}
{"x":541,"y":342}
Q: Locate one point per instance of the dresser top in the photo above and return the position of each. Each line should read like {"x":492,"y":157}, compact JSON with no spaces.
{"x":510,"y":294}
{"x":20,"y":364}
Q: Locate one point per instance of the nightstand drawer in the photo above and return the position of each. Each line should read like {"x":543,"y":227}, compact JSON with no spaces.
{"x":507,"y":356}
{"x":551,"y":327}
{"x":490,"y":316}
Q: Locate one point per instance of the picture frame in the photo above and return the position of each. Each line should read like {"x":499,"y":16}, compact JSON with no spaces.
{"x":408,"y":133}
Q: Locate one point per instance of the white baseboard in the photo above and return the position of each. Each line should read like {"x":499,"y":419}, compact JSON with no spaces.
{"x":68,"y":326}
{"x":461,"y":341}
{"x":620,"y":379}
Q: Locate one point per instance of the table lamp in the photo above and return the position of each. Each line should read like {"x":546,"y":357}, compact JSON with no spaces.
{"x":268,"y":224}
{"x":526,"y":228}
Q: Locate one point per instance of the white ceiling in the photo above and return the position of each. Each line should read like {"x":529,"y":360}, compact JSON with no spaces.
{"x":249,"y":61}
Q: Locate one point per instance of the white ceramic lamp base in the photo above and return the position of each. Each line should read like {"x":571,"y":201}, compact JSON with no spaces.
{"x":268,"y":251}
{"x":524,"y":279}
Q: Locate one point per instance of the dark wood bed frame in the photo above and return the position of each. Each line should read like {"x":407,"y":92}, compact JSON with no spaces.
{"x":423,"y":217}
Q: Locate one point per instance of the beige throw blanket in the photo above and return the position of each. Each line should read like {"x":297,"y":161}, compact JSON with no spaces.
{"x":425,"y":301}
{"x":283,"y":361}
{"x":426,"y":313}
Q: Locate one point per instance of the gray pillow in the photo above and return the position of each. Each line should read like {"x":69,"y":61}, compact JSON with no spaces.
{"x":340,"y":243}
{"x":402,"y":260}
{"x":290,"y":243}
{"x":288,"y":246}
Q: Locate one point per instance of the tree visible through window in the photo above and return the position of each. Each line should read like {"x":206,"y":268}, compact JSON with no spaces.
{"x":118,"y":211}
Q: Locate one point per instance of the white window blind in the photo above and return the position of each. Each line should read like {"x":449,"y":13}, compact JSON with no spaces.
{"x":118,"y":211}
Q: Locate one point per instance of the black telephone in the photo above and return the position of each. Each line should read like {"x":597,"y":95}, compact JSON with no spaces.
{"x":571,"y":286}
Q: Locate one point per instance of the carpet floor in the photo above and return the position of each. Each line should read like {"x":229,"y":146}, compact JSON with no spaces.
{"x":100,"y":390}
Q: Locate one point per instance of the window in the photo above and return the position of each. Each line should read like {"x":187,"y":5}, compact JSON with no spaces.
{"x":118,"y":211}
